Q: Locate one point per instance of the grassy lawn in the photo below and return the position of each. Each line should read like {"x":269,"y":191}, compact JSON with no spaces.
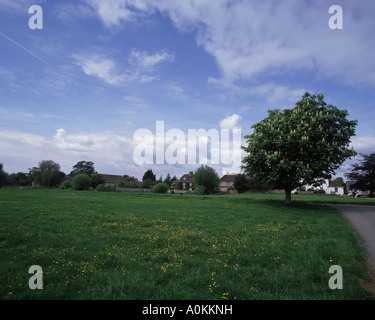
{"x":97,"y":245}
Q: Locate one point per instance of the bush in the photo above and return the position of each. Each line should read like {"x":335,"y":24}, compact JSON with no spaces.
{"x":121,"y":183}
{"x":320,"y":191}
{"x":147,"y":184}
{"x":100,"y":187}
{"x":176,"y":185}
{"x":109,"y":188}
{"x":81,"y":181}
{"x":105,"y":188}
{"x":200,"y":190}
{"x":66,"y":184}
{"x":161,"y":187}
{"x":97,"y":179}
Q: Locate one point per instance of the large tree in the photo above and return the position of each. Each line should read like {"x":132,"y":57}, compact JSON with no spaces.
{"x":3,"y":176}
{"x":48,"y":174}
{"x":363,"y":174}
{"x":206,"y":179}
{"x":83,"y":167}
{"x":304,"y":145}
{"x":149,"y":175}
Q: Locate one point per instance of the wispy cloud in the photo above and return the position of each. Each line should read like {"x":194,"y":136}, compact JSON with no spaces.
{"x":141,"y":67}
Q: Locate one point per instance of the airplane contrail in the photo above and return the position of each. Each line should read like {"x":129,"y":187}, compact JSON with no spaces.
{"x":16,"y":43}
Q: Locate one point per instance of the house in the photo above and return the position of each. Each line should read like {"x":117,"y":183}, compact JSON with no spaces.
{"x":187,"y":180}
{"x":226,"y":183}
{"x":329,"y":187}
{"x":335,"y":188}
{"x":110,"y":179}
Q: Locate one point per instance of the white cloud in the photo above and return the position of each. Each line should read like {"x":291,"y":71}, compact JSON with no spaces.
{"x":364,"y":143}
{"x":230,"y":122}
{"x":73,"y":142}
{"x":110,"y":152}
{"x":260,"y":38}
{"x":276,"y":93}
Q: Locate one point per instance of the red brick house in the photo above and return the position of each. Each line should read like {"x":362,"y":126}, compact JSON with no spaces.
{"x":187,"y":180}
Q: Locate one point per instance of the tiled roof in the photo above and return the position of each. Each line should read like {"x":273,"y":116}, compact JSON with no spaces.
{"x":110,"y":178}
{"x":335,"y":184}
{"x":228,"y":178}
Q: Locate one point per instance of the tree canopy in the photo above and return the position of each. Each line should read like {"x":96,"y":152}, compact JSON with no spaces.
{"x":304,"y":145}
{"x":83,"y":167}
{"x":3,"y":176}
{"x":47,"y":174}
{"x":149,"y":175}
{"x":206,"y":179}
{"x":363,"y":174}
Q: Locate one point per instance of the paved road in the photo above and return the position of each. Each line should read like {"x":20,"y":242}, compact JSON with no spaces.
{"x":362,"y":219}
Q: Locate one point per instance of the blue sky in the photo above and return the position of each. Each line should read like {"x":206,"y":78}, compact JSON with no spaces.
{"x":99,"y":70}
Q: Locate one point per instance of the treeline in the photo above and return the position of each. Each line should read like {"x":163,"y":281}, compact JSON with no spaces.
{"x":83,"y":176}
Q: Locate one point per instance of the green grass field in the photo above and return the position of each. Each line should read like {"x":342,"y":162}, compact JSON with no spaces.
{"x":118,"y":245}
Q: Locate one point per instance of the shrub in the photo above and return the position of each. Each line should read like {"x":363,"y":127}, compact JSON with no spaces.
{"x":81,"y":181}
{"x":121,"y":183}
{"x":97,"y":179}
{"x":320,"y":191}
{"x":200,"y":190}
{"x":161,"y":187}
{"x":66,"y":184}
{"x":109,"y":188}
{"x":100,"y":187}
{"x":175,"y":185}
{"x":148,"y":183}
{"x":105,"y":188}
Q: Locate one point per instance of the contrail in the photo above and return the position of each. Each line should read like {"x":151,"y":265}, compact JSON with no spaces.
{"x":16,"y":43}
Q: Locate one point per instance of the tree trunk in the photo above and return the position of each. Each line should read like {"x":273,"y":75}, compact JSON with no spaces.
{"x":288,"y":195}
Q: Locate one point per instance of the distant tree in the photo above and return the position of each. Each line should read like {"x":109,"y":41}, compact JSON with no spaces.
{"x":241,"y":183}
{"x":168,"y":180}
{"x":363,"y":174}
{"x":149,"y":175}
{"x":208,"y":178}
{"x":83,"y":167}
{"x":175,"y":185}
{"x":127,"y":182}
{"x":97,"y":179}
{"x":81,"y":181}
{"x":147,"y":183}
{"x":3,"y":176}
{"x":48,"y":174}
{"x":19,"y":179}
{"x":174,"y":178}
{"x":304,"y":145}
